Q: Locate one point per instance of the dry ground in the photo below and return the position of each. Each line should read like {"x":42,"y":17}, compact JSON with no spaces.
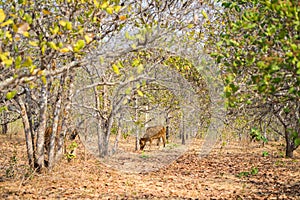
{"x":230,"y":171}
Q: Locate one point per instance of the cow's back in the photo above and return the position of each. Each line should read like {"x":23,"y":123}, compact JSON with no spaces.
{"x":153,"y":131}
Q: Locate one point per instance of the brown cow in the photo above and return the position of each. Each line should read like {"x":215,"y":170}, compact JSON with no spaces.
{"x":154,"y":132}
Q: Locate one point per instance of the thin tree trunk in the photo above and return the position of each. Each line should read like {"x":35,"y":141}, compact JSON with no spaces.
{"x":108,"y":122}
{"x":32,"y":121}
{"x":183,"y":130}
{"x":137,"y":135}
{"x":51,"y":153}
{"x":100,"y":137}
{"x":167,"y":127}
{"x":41,"y":129}
{"x":289,"y":147}
{"x":29,"y":146}
{"x":119,"y":132}
{"x":108,"y":131}
{"x":4,"y":126}
{"x":57,"y":117}
{"x":68,"y":93}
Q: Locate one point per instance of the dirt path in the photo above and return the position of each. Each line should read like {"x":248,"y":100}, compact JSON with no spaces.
{"x":231,"y":172}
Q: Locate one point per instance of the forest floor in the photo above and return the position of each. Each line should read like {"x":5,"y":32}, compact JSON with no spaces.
{"x":230,"y":171}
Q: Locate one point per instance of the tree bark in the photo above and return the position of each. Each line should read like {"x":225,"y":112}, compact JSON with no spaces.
{"x":182,"y":130}
{"x":167,"y":126}
{"x":289,"y":149}
{"x":33,"y":121}
{"x":4,"y":126}
{"x":119,"y":132}
{"x":67,"y":94}
{"x":137,"y":135}
{"x":57,"y":111}
{"x":29,"y":142}
{"x":40,"y":158}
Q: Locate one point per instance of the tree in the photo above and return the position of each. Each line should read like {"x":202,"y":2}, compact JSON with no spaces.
{"x":258,"y":51}
{"x":45,"y":45}
{"x":41,"y":44}
{"x":112,"y":79}
{"x":137,"y":85}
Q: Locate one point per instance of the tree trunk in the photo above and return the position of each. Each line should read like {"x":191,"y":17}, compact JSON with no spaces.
{"x":137,"y":135}
{"x":51,"y":153}
{"x":289,"y":152}
{"x":137,"y":140}
{"x":119,"y":132}
{"x":167,"y":127}
{"x":56,"y":120}
{"x":289,"y":149}
{"x":67,"y":95}
{"x":107,"y":133}
{"x":40,"y":158}
{"x":32,"y":110}
{"x":100,"y":137}
{"x":103,"y":138}
{"x":4,"y":126}
{"x":182,"y":130}
{"x":29,"y":146}
{"x":4,"y":129}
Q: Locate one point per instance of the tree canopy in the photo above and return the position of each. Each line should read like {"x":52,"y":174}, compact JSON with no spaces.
{"x":258,"y":51}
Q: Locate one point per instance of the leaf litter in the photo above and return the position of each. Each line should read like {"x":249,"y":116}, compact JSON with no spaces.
{"x":233,"y":171}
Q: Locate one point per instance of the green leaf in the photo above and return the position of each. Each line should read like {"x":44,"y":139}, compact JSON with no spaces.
{"x":297,"y":141}
{"x":28,"y":62}
{"x":54,"y":30}
{"x":117,"y":8}
{"x":115,"y":69}
{"x":18,"y":62}
{"x":79,"y":45}
{"x":11,"y":94}
{"x":52,"y":45}
{"x":254,"y":171}
{"x":104,"y":5}
{"x":2,"y":16}
{"x":3,"y":108}
{"x":190,"y":25}
{"x":69,"y":25}
{"x":62,"y":23}
{"x":275,"y":67}
{"x":204,"y":14}
{"x":226,"y":4}
{"x":237,"y":8}
{"x":265,"y":154}
{"x":8,"y":62}
{"x":64,"y":50}
{"x":88,"y":39}
{"x":32,"y":68}
{"x":101,"y":59}
{"x":289,"y":54}
{"x":44,"y":79}
{"x":28,"y":18}
{"x":34,"y":43}
{"x":128,"y":91}
{"x":110,"y":10}
{"x":96,"y":3}
{"x":8,"y":22}
{"x":140,"y":93}
{"x":294,"y":47}
{"x":9,"y":36}
{"x":43,"y":48}
{"x":135,"y":62}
